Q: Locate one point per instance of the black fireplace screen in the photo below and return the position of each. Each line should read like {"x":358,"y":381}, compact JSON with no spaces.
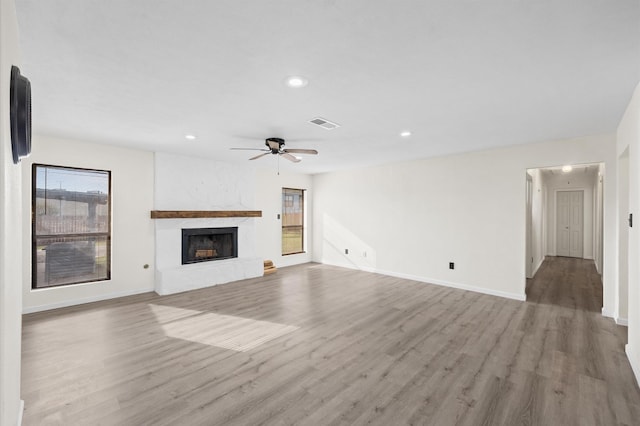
{"x":207,"y":244}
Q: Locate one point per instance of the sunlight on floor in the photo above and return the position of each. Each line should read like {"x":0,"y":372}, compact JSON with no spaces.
{"x":223,"y":331}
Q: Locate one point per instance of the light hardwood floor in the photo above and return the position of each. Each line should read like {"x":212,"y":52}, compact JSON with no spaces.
{"x":319,"y":345}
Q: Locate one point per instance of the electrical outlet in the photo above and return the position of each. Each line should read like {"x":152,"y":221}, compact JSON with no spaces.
{"x":451,"y":265}
{"x":346,"y":251}
{"x":364,"y":254}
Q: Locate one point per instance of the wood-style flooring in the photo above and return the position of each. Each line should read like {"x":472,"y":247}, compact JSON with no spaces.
{"x":320,"y":345}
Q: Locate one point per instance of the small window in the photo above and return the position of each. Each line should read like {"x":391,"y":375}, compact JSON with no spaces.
{"x":292,"y":221}
{"x":71,"y":222}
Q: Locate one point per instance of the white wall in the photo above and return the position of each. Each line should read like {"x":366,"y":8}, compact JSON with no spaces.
{"x":132,"y":229}
{"x":414,"y":218}
{"x":575,"y":180}
{"x":10,"y":231}
{"x":623,"y":236}
{"x":629,"y":138}
{"x":269,"y":230}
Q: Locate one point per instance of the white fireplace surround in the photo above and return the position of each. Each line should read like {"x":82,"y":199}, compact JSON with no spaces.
{"x":173,"y":277}
{"x":188,"y":183}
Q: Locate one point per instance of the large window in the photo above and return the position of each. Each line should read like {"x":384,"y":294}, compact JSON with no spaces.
{"x":71,"y":225}
{"x":292,"y":221}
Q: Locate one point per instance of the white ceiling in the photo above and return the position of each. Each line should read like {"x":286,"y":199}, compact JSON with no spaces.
{"x":461,"y":75}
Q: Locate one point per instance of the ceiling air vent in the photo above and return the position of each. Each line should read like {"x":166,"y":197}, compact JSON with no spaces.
{"x":325,"y":124}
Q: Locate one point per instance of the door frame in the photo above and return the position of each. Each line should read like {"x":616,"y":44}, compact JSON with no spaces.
{"x":555,"y":216}
{"x":529,"y":227}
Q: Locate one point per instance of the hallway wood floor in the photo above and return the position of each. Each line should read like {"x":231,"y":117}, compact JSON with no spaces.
{"x":320,"y":345}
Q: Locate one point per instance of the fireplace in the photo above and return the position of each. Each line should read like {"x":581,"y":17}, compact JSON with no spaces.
{"x":208,"y":244}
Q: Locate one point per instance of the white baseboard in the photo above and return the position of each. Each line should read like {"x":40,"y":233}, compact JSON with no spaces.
{"x":20,"y":413}
{"x":81,"y":301}
{"x":622,"y":321}
{"x":607,"y":314}
{"x":521,"y":297}
{"x":634,"y":361}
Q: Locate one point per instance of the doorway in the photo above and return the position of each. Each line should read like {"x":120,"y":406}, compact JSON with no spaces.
{"x":570,"y":223}
{"x":563,"y":233}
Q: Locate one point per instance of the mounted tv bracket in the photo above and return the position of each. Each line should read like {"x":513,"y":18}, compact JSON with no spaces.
{"x":20,"y":115}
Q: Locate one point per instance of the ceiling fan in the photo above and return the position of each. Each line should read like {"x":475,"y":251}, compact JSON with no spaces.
{"x":275,"y":146}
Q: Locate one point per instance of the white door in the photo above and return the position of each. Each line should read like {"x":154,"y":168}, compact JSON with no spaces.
{"x":570,"y":228}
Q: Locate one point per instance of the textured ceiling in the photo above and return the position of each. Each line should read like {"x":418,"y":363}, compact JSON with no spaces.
{"x":461,"y":75}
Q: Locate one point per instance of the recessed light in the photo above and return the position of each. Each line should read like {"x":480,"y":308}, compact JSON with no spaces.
{"x":405,"y":134}
{"x":189,"y":137}
{"x":297,"y":81}
{"x":566,"y":169}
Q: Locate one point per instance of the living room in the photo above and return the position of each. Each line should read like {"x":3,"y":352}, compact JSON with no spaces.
{"x":397,"y":209}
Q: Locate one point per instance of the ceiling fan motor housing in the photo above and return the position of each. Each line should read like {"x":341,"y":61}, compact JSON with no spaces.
{"x":274,"y":144}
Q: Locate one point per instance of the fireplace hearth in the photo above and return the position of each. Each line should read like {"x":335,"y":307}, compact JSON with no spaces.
{"x":209,"y":244}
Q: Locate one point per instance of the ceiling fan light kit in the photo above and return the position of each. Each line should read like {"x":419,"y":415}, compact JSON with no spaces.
{"x":274,"y":144}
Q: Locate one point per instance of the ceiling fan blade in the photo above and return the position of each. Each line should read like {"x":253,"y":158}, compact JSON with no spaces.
{"x":259,"y":155}
{"x":301,"y":151}
{"x":249,"y":149}
{"x":290,"y":157}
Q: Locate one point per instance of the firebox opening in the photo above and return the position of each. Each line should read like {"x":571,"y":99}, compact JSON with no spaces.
{"x":208,"y":244}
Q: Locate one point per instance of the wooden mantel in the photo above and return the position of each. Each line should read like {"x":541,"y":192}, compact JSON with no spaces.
{"x":197,"y":214}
